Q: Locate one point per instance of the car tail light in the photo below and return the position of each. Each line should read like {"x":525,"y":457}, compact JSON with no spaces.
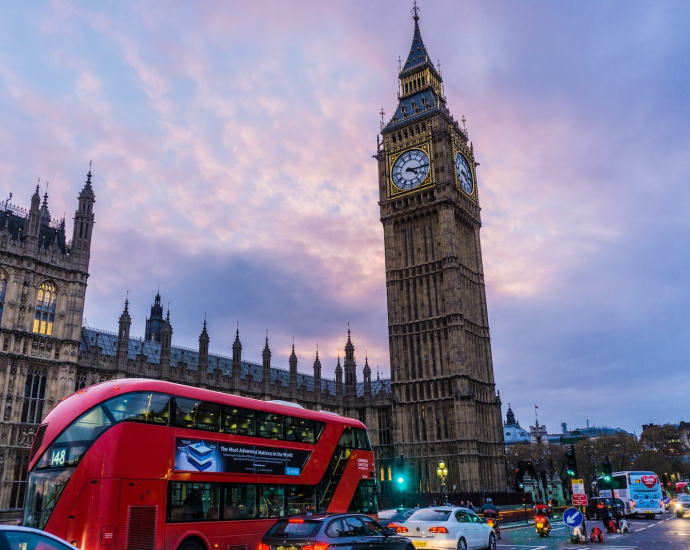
{"x":315,"y":546}
{"x":399,"y":528}
{"x":438,"y":530}
{"x":296,"y":520}
{"x":263,"y":546}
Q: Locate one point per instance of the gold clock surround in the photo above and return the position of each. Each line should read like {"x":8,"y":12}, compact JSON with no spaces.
{"x":430,"y":180}
{"x":461,"y":147}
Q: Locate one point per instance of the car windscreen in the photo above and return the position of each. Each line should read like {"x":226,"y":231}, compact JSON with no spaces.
{"x":430,"y":515}
{"x":684,"y":498}
{"x":294,"y":528}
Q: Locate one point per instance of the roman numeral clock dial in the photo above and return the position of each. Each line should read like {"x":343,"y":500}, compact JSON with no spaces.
{"x":464,"y":173}
{"x":410,"y":169}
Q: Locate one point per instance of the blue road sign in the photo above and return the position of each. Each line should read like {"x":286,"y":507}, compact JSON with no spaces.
{"x":572,"y":517}
{"x":666,"y":500}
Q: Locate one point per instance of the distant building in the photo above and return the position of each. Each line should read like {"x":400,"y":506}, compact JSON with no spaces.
{"x":538,"y":434}
{"x":571,"y":437}
{"x":512,"y":431}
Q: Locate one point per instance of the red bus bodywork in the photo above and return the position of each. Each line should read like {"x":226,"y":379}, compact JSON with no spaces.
{"x":128,"y":468}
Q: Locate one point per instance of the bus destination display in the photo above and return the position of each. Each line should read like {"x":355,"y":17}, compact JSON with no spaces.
{"x":196,"y":455}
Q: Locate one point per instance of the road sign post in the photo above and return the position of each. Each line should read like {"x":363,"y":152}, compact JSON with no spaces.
{"x":580,"y":499}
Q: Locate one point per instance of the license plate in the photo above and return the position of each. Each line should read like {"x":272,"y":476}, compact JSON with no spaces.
{"x":538,"y":525}
{"x":419,"y":543}
{"x":287,"y":548}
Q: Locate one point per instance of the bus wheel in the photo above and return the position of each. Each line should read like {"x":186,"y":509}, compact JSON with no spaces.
{"x":192,"y":544}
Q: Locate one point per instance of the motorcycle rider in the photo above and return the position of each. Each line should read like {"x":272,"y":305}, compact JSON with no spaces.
{"x":542,"y":509}
{"x":490,"y":511}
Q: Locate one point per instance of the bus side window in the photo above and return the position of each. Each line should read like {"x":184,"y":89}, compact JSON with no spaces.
{"x":239,"y":421}
{"x":140,"y":407}
{"x":299,"y":429}
{"x":271,"y":501}
{"x":193,"y":501}
{"x":347,"y":439}
{"x":207,"y":417}
{"x":361,"y":439}
{"x":185,"y":412}
{"x":270,"y":425}
{"x":240,"y":502}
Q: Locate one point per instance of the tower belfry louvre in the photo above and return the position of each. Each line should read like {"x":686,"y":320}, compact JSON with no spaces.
{"x":445,"y":405}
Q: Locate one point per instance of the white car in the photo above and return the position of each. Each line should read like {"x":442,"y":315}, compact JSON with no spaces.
{"x":445,"y":528}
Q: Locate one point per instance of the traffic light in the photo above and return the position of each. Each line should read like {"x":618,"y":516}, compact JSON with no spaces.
{"x":571,"y":462}
{"x":519,"y":479}
{"x":608,"y":470}
{"x":400,"y":473}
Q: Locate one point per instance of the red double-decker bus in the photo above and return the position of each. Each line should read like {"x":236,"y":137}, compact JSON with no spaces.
{"x":144,"y":465}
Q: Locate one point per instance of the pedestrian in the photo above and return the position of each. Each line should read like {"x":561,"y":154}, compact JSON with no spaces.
{"x":417,"y":507}
{"x":605,"y":516}
{"x":462,"y":503}
{"x":434,"y":503}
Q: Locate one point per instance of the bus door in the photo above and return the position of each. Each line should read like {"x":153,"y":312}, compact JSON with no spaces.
{"x":142,"y":514}
{"x":93,"y":516}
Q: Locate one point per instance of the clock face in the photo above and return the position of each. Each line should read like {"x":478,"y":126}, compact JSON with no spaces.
{"x":464,"y":173}
{"x":410,"y":169}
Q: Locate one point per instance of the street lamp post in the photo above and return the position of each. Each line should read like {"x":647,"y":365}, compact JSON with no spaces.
{"x":442,"y":473}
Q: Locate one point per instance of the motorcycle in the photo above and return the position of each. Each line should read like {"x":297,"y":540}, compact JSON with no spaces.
{"x":543,"y":525}
{"x":492,"y":522}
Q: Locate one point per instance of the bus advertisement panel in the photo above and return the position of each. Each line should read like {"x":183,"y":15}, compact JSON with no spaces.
{"x":153,"y":465}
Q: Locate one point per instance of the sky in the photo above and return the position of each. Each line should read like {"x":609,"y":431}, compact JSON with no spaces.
{"x":232,"y":149}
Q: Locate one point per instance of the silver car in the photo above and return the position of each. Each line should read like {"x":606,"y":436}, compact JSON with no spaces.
{"x":26,"y":538}
{"x":445,"y":528}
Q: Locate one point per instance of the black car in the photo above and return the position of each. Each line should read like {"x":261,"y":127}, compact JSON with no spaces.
{"x":396,"y":515}
{"x":596,"y":505}
{"x":335,"y":531}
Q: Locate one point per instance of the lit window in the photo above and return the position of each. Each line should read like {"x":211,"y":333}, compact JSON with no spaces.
{"x":45,"y":309}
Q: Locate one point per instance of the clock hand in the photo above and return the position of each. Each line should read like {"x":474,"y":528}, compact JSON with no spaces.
{"x":411,"y":169}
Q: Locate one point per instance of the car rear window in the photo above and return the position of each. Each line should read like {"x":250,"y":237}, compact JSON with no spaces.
{"x":387,"y":514}
{"x":430,"y":515}
{"x":294,"y":528}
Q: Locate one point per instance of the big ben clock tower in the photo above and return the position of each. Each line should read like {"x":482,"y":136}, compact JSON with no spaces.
{"x":445,"y":402}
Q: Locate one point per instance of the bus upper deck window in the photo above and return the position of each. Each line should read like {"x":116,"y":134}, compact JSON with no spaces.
{"x":140,"y":407}
{"x":270,"y":425}
{"x":239,"y":421}
{"x":198,"y":415}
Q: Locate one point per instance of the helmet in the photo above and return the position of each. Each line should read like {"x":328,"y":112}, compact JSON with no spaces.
{"x":489,"y":499}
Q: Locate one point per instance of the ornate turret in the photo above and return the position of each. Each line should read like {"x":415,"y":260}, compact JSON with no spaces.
{"x":338,"y":378}
{"x":266,"y":370}
{"x":124,"y":323}
{"x":166,"y":347}
{"x":350,"y":367}
{"x":203,"y":352}
{"x":293,"y":371}
{"x":154,"y":324}
{"x":367,"y":377}
{"x":510,"y":417}
{"x":317,"y":375}
{"x":237,"y":358}
{"x":83,"y":226}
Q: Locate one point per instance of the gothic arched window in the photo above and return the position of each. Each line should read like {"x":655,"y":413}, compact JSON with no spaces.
{"x":45,"y":308}
{"x":34,"y":396}
{"x":21,"y":466}
{"x":3,"y":289}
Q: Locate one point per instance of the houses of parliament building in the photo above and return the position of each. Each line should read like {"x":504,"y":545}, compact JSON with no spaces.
{"x":440,"y":401}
